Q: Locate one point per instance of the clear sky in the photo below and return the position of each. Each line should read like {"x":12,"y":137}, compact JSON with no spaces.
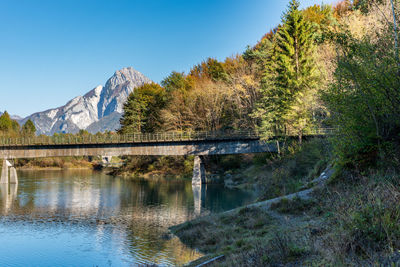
{"x":54,"y":50}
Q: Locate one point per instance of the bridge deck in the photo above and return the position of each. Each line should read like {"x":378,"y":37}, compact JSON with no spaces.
{"x":128,"y":138}
{"x":141,"y":138}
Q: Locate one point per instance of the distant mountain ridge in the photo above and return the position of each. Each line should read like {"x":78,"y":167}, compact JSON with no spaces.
{"x":98,"y":110}
{"x":14,"y":117}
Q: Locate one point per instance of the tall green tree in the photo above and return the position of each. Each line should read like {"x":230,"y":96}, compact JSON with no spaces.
{"x":28,"y":129}
{"x":6,"y":123}
{"x":142,"y":109}
{"x":176,"y":81}
{"x":290,"y":77}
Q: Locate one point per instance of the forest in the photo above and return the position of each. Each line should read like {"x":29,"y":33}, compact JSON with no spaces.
{"x":325,"y":66}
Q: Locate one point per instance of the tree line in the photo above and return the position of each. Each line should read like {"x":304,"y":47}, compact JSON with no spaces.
{"x":323,"y":66}
{"x":11,"y":128}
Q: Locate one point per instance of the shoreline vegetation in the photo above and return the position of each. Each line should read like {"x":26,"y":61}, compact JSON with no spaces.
{"x":332,"y":218}
{"x":325,"y":66}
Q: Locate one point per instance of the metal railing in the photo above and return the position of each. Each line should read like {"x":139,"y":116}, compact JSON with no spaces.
{"x":127,"y":138}
{"x":141,"y":138}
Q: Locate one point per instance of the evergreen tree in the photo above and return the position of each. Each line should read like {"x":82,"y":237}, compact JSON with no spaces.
{"x":29,"y":128}
{"x":5,"y":122}
{"x":289,"y":77}
{"x":142,"y":109}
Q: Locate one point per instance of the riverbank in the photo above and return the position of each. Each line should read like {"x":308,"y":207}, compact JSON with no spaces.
{"x":350,"y":220}
{"x":57,"y":163}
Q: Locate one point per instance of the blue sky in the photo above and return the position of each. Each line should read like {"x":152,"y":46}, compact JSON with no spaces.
{"x":52,"y":51}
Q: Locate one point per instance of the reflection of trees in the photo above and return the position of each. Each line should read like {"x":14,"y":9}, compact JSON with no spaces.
{"x":142,"y":210}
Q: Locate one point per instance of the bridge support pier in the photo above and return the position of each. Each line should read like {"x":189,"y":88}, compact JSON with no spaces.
{"x":199,"y":171}
{"x":13,"y":176}
{"x":4,"y":173}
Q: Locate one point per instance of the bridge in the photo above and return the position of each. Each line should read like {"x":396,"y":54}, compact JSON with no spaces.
{"x":198,"y":144}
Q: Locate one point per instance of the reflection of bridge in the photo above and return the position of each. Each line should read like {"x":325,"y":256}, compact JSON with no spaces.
{"x":159,"y":144}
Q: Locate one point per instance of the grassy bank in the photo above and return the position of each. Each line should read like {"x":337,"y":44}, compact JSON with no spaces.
{"x":353,"y":221}
{"x":56,"y":163}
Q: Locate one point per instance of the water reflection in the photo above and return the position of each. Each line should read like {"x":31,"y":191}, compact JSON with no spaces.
{"x":8,"y":194}
{"x":86,"y":219}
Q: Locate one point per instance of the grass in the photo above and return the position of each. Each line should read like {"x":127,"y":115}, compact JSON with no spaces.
{"x":278,"y":175}
{"x":363,"y":216}
{"x":353,"y":221}
{"x":293,"y":206}
{"x":247,"y":237}
{"x":225,"y":233}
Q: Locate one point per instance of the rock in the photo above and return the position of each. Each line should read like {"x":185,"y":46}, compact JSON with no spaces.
{"x":98,"y":110}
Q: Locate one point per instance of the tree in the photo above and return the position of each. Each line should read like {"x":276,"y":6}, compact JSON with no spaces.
{"x":364,"y":99}
{"x":175,"y":81}
{"x":28,"y":129}
{"x":142,"y":109}
{"x":289,"y":77}
{"x":5,"y":122}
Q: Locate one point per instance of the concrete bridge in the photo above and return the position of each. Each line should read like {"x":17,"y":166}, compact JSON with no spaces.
{"x":198,"y":144}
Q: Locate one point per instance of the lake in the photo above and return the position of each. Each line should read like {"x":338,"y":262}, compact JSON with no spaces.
{"x":87,"y":218}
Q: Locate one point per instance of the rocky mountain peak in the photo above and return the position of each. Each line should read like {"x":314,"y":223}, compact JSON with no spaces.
{"x":93,"y":108}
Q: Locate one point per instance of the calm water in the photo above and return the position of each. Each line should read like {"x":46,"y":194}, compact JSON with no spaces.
{"x":85,"y":218}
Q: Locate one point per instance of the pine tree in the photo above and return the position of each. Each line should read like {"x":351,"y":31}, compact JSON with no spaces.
{"x":142,"y":109}
{"x":5,"y":122}
{"x":29,"y":128}
{"x":289,"y":77}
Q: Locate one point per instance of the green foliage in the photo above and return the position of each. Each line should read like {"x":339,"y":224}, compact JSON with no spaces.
{"x":176,"y":81}
{"x":5,"y":122}
{"x":8,"y":126}
{"x":28,"y":129}
{"x":142,"y":109}
{"x":211,"y":68}
{"x":290,"y":78}
{"x":364,"y":99}
{"x":297,"y":166}
{"x":376,"y":224}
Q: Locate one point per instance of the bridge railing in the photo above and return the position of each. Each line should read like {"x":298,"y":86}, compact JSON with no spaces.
{"x":127,"y":138}
{"x":142,"y":137}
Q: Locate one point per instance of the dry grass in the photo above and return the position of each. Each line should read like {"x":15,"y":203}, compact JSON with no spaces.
{"x":354,"y":221}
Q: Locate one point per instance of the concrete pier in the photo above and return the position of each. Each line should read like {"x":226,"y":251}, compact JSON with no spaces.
{"x":4,"y":173}
{"x":199,"y":171}
{"x":13,"y":176}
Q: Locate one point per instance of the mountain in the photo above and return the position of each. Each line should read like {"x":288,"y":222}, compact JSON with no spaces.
{"x":98,"y":110}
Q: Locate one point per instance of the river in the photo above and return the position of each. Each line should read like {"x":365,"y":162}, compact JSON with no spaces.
{"x":87,"y":218}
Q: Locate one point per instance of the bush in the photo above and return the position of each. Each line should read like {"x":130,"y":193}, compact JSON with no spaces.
{"x":364,"y":99}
